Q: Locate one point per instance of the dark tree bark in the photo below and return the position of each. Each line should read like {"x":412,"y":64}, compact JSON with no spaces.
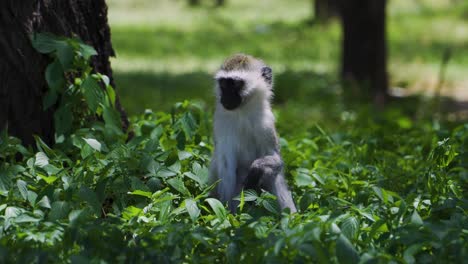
{"x":22,"y":81}
{"x":220,"y":2}
{"x":364,"y":50}
{"x":324,"y":9}
{"x":194,"y":2}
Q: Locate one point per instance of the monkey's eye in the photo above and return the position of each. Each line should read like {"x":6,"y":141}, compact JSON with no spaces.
{"x":231,"y":83}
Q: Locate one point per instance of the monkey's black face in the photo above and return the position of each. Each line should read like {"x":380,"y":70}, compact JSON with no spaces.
{"x":231,"y":89}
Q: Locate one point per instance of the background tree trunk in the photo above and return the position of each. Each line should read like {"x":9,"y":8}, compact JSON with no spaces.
{"x":22,"y":81}
{"x":220,"y":2}
{"x":194,"y":2}
{"x":324,"y":9}
{"x":364,"y":50}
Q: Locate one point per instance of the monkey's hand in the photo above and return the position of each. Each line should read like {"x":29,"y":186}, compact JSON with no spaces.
{"x":263,"y":171}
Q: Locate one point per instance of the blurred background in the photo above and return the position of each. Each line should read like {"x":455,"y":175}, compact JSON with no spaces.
{"x":168,"y":50}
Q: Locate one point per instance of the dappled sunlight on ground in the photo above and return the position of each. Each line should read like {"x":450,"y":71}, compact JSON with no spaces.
{"x":167,"y":52}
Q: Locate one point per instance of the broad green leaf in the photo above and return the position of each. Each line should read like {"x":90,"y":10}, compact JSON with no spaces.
{"x":41,"y":145}
{"x":96,"y":145}
{"x":32,"y":196}
{"x":112,"y":119}
{"x":44,"y":202}
{"x":54,"y":76}
{"x":11,"y":212}
{"x":217,"y":208}
{"x":416,"y":219}
{"x":192,"y":209}
{"x":50,"y":98}
{"x":131,"y":212}
{"x":63,"y":120}
{"x":87,"y":51}
{"x":59,"y":210}
{"x":141,"y":193}
{"x":345,"y":251}
{"x":23,"y":188}
{"x":350,"y":227}
{"x":65,"y":55}
{"x":303,"y":179}
{"x":48,"y":179}
{"x":5,"y":183}
{"x":93,"y":93}
{"x":24,"y":218}
{"x":178,"y":184}
{"x":46,"y":43}
{"x":200,"y":174}
{"x":184,"y":155}
{"x":88,"y":195}
{"x":41,"y":159}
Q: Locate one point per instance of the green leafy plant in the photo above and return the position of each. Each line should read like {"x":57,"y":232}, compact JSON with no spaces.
{"x":368,"y":190}
{"x":80,"y":96}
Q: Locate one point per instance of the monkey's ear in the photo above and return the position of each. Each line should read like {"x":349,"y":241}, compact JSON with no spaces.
{"x":267,"y":74}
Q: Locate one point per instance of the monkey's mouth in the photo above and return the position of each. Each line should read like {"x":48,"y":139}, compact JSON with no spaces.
{"x":229,"y":105}
{"x":231,"y":102}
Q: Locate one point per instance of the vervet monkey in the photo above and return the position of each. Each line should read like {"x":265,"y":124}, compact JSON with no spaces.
{"x":246,"y":154}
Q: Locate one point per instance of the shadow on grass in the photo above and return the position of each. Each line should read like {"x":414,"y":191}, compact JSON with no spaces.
{"x":159,"y":91}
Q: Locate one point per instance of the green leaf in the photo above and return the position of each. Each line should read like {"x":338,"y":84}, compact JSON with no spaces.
{"x":110,"y":93}
{"x":46,"y":43}
{"x":87,"y":51}
{"x":93,"y":143}
{"x":188,"y":125}
{"x":131,"y":212}
{"x":112,"y":119}
{"x":32,"y":196}
{"x":50,"y":98}
{"x":304,"y":179}
{"x":54,"y":76}
{"x":63,"y":120}
{"x":416,"y":219}
{"x":24,"y":218}
{"x":41,"y":159}
{"x":44,"y":202}
{"x":47,"y":179}
{"x":178,"y":184}
{"x":65,"y":55}
{"x":23,"y":188}
{"x":12,"y":212}
{"x":93,"y":93}
{"x":350,"y":227}
{"x":91,"y":198}
{"x":217,"y":208}
{"x":59,"y":210}
{"x":345,"y":251}
{"x":141,"y":193}
{"x":192,"y":209}
{"x":200,"y":174}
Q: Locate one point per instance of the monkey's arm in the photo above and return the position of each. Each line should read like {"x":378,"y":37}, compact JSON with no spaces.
{"x":262,"y":171}
{"x":267,"y":173}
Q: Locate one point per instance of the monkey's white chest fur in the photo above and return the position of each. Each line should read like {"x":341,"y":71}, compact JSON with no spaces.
{"x":241,"y":137}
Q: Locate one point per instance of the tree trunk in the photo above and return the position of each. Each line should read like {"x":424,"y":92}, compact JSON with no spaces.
{"x":220,"y":2}
{"x":324,"y":9}
{"x":194,"y":2}
{"x":364,"y":51}
{"x":22,"y":81}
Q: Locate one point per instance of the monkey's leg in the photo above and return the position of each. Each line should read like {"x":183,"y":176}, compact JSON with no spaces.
{"x":267,"y":173}
{"x":226,"y":170}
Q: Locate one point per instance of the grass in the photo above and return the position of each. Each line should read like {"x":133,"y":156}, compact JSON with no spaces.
{"x":371,"y":186}
{"x":155,"y":40}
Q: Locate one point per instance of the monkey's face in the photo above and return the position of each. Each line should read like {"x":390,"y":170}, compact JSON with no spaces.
{"x":231,"y":91}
